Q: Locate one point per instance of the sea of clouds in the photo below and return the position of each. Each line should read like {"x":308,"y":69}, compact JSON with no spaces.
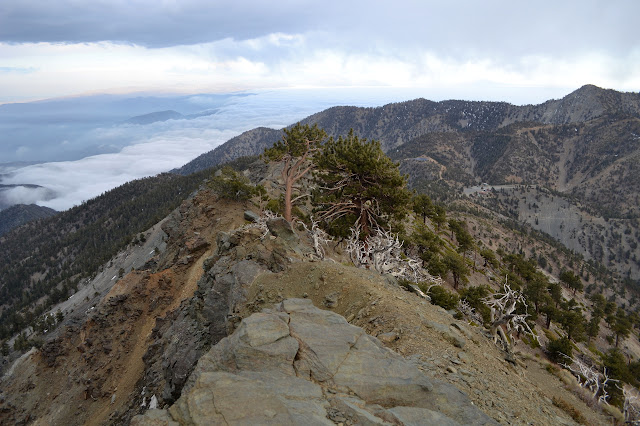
{"x":133,"y":151}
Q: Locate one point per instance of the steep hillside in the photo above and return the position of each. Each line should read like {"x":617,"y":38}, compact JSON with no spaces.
{"x":208,"y":302}
{"x":590,"y":166}
{"x":250,"y":143}
{"x":19,"y":214}
{"x":43,"y":262}
{"x":159,"y":334}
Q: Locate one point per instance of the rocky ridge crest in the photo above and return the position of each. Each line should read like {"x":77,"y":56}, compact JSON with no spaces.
{"x":297,"y":364}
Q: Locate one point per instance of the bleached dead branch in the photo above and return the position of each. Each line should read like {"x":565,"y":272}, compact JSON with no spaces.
{"x":319,"y":238}
{"x":504,"y":320}
{"x":631,"y":406}
{"x":589,"y":378}
{"x":469,"y":312}
{"x":382,"y":252}
{"x":261,"y":223}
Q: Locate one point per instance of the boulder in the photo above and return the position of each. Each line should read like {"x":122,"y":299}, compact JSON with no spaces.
{"x":280,"y":228}
{"x":251,"y":216}
{"x":297,"y":364}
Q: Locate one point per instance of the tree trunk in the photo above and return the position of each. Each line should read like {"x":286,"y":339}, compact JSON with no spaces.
{"x":288,"y":192}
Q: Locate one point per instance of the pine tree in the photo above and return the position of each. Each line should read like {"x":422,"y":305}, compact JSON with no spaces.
{"x":620,"y":325}
{"x":572,"y":280}
{"x":423,"y":206}
{"x":297,"y":147}
{"x":358,"y":185}
{"x":458,"y":267}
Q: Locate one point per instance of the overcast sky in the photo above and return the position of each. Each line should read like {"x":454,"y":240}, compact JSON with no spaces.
{"x":68,"y":47}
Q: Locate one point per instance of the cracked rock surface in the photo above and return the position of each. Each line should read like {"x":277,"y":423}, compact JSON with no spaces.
{"x":297,"y":364}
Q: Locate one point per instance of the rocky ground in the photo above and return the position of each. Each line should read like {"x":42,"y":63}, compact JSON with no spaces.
{"x":141,"y":345}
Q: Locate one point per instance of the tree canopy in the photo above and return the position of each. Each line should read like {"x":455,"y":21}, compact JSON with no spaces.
{"x":295,"y":150}
{"x":358,"y":185}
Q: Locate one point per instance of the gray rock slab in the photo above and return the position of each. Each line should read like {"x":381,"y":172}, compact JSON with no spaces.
{"x":298,"y":364}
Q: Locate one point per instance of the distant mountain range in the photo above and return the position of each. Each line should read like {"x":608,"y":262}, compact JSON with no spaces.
{"x":586,"y":144}
{"x":399,"y":123}
{"x":157,"y":116}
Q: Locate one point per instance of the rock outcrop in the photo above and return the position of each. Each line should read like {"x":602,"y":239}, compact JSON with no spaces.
{"x":297,"y":364}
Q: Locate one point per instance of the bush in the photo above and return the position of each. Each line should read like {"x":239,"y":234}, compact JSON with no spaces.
{"x":441,"y":297}
{"x":556,"y":349}
{"x":474,"y":296}
{"x":570,"y":410}
{"x":228,"y":183}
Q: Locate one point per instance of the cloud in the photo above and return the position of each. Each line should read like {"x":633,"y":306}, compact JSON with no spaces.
{"x":514,"y":28}
{"x":196,"y":46}
{"x":17,"y":70}
{"x":279,"y":60}
{"x":23,"y":195}
{"x":162,"y":146}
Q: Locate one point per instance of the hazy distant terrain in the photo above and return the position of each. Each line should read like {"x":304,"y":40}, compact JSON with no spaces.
{"x":100,"y":142}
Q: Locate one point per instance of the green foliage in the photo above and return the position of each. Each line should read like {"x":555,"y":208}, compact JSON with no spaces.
{"x":474,"y":296}
{"x":489,"y":257}
{"x":441,"y":297}
{"x":616,"y":364}
{"x":556,"y":292}
{"x":463,"y":237}
{"x":229,"y":184}
{"x":593,"y":327}
{"x":298,"y":141}
{"x":571,"y":280}
{"x":439,"y":217}
{"x":458,"y":267}
{"x":358,"y":184}
{"x":294,"y":151}
{"x":429,"y":245}
{"x":620,"y":325}
{"x":573,"y":323}
{"x":517,"y":264}
{"x":275,"y":205}
{"x":556,"y":349}
{"x":549,"y":309}
{"x":423,"y":206}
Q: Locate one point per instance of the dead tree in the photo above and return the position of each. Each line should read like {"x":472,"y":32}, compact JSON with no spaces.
{"x":382,"y":252}
{"x":631,"y":408}
{"x":467,"y":310}
{"x":504,"y":319}
{"x":261,"y":222}
{"x":319,"y":238}
{"x":589,"y":378}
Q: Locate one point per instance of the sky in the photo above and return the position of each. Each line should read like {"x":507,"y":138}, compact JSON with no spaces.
{"x":93,"y":64}
{"x":70,"y":47}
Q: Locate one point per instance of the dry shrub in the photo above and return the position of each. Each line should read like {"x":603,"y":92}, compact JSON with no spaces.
{"x":613,"y":412}
{"x":570,"y":410}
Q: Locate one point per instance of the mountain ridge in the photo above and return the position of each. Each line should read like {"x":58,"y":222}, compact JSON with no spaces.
{"x":421,"y":116}
{"x":19,"y":214}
